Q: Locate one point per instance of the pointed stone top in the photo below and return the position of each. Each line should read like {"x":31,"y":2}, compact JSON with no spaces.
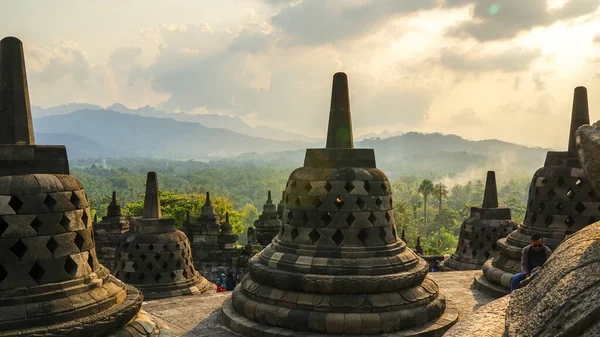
{"x":227,"y":217}
{"x":114,"y":198}
{"x":151,"y":201}
{"x":96,"y":218}
{"x":418,"y":241}
{"x":580,"y":115}
{"x":187,"y":216}
{"x":15,"y":111}
{"x":490,"y":195}
{"x":339,"y":132}
{"x":207,"y":198}
{"x":269,"y":201}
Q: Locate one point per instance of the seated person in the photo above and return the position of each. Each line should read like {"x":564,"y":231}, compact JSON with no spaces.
{"x":533,"y":256}
{"x":231,"y":281}
{"x":221,"y":283}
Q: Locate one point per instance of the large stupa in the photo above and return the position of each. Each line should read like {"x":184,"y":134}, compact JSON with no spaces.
{"x":338,"y":267}
{"x":51,"y":283}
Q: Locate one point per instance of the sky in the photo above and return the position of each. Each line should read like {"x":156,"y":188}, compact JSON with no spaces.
{"x":482,"y":69}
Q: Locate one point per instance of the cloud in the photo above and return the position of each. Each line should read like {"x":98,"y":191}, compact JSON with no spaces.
{"x":313,"y":22}
{"x":65,"y":60}
{"x":540,"y":85}
{"x":499,"y":20}
{"x":509,"y":60}
{"x":596,"y":39}
{"x":466,"y":117}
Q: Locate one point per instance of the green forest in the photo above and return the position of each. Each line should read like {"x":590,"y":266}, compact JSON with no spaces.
{"x":423,"y":205}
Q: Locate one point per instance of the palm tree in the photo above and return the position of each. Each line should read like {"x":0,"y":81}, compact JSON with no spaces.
{"x":425,"y":189}
{"x":441,"y":192}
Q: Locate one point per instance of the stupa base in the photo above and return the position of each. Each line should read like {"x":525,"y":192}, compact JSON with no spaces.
{"x":196,"y":286}
{"x":454,"y":264}
{"x":246,"y":327}
{"x":142,"y":325}
{"x":487,"y":287}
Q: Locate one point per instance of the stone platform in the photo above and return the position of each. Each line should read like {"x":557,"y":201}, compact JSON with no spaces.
{"x":199,"y":316}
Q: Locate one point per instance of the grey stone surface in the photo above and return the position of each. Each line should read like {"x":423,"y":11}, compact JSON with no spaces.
{"x":487,"y":321}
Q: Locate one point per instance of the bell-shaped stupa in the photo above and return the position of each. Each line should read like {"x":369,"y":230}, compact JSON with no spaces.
{"x":268,"y":223}
{"x":561,"y":201}
{"x":108,"y":231}
{"x":51,"y":283}
{"x":338,"y":267}
{"x":479,"y":233}
{"x":155,"y":256}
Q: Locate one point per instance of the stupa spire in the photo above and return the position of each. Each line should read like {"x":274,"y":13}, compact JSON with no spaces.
{"x":580,"y":115}
{"x":207,"y":198}
{"x":490,"y":195}
{"x":15,"y":112}
{"x":339,"y":132}
{"x":151,"y":201}
{"x":114,"y":198}
{"x":269,"y":201}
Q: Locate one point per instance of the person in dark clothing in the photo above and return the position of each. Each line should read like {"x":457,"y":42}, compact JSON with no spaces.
{"x":231,"y":281}
{"x":533,"y":256}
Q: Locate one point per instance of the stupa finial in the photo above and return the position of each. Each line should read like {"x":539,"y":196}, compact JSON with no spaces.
{"x":207,"y":198}
{"x":15,"y":112}
{"x":114,"y":198}
{"x":269,"y":198}
{"x":580,"y":115}
{"x":226,"y":217}
{"x":490,"y":195}
{"x":151,"y":201}
{"x":339,"y":132}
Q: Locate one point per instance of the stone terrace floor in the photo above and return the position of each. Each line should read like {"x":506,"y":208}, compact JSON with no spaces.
{"x":199,"y":316}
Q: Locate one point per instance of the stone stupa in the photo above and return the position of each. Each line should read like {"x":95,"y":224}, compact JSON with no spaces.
{"x":155,"y":256}
{"x":51,"y":283}
{"x":281,"y":206}
{"x":268,"y":223}
{"x":479,"y":233}
{"x":561,"y":201}
{"x":338,"y":267}
{"x":108,"y":231}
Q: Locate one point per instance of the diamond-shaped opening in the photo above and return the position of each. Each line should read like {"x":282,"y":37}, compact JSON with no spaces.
{"x":372,"y":218}
{"x":350,"y":219}
{"x":75,"y":199}
{"x":149,"y":266}
{"x":560,"y":206}
{"x":360,"y":202}
{"x":494,"y":245}
{"x":570,"y":194}
{"x":580,"y":208}
{"x":383,"y":187}
{"x":327,"y":186}
{"x":339,"y":203}
{"x":534,"y":218}
{"x":186,"y":274}
{"x":84,"y":218}
{"x":157,"y":277}
{"x":383,"y":234}
{"x":362,"y":235}
{"x":391,"y":203}
{"x":388,"y":217}
{"x":137,"y":247}
{"x":36,"y":272}
{"x":542,"y":207}
{"x":15,"y":203}
{"x":569,"y":221}
{"x":338,"y":237}
{"x":173,"y":275}
{"x":592,"y":194}
{"x":579,"y":182}
{"x":560,"y":181}
{"x":143,"y":257}
{"x":134,"y":266}
{"x":91,"y":261}
{"x":165,"y":265}
{"x":481,"y":245}
{"x":65,"y":222}
{"x":317,"y":202}
{"x":294,"y":233}
{"x":544,"y":181}
{"x":290,"y":216}
{"x":367,"y":186}
{"x":487,"y":255}
{"x":157,"y":256}
{"x":488,"y":238}
{"x":171,"y":255}
{"x":19,"y":249}
{"x":378,"y":202}
{"x":3,"y":226}
{"x":548,"y":220}
{"x":474,"y":252}
{"x":298,"y":202}
{"x":349,"y":186}
{"x":494,"y":230}
{"x":142,"y":277}
{"x":326,"y":218}
{"x":71,"y":267}
{"x":35,"y":224}
{"x":314,"y":236}
{"x":551,"y":193}
{"x":52,"y":244}
{"x":3,"y":274}
{"x":79,"y":241}
{"x":307,"y":187}
{"x":50,"y":202}
{"x":305,"y":218}
{"x":151,"y":247}
{"x":129,"y":256}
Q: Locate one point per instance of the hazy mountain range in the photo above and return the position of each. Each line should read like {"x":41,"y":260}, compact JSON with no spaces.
{"x":95,"y":133}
